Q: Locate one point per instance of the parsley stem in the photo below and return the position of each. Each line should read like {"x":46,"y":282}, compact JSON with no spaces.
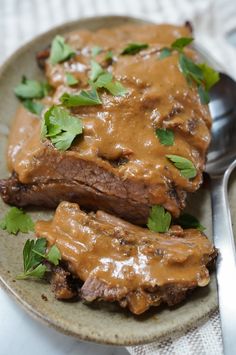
{"x":36,"y":252}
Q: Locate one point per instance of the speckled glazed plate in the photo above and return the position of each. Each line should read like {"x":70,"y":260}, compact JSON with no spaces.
{"x":100,"y":323}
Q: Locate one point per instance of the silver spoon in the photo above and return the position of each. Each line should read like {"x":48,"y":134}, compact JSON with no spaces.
{"x":221,"y":162}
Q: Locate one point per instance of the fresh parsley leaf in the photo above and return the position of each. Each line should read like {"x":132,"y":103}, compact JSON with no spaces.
{"x":200,"y":74}
{"x":165,"y":136}
{"x":96,"y":50}
{"x":165,"y":52}
{"x":134,"y":48}
{"x":211,"y":77}
{"x":30,"y":258}
{"x":159,"y":220}
{"x":96,"y":70}
{"x":180,"y":43}
{"x":204,"y":76}
{"x":116,"y":88}
{"x":60,"y":51}
{"x":71,"y":79}
{"x":100,"y":78}
{"x":84,"y":98}
{"x":103,"y":79}
{"x":60,"y":127}
{"x":186,"y":220}
{"x":177,"y":45}
{"x":33,"y":106}
{"x":204,"y":95}
{"x":185,"y":166}
{"x":109,"y":56}
{"x":34,"y":254}
{"x":15,"y":220}
{"x":190,"y":70}
{"x":30,"y":89}
{"x":54,"y":255}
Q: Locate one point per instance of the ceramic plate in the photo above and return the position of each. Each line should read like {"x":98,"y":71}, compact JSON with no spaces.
{"x":100,"y":323}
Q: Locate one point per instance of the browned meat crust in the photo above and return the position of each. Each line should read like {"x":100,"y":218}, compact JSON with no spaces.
{"x":127,"y":201}
{"x":62,"y":284}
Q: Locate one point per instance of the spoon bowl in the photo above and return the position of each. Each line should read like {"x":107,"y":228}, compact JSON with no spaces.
{"x":222,"y":151}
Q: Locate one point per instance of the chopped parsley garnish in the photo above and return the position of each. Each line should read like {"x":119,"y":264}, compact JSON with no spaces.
{"x":200,"y":74}
{"x":159,"y":220}
{"x":185,"y":166}
{"x":34,"y":255}
{"x":96,"y":70}
{"x":100,"y":78}
{"x":134,"y":48}
{"x":71,"y":79}
{"x":60,"y":127}
{"x":31,"y":89}
{"x":165,"y":136}
{"x":109,"y":56}
{"x":60,"y":51}
{"x":165,"y":52}
{"x":84,"y":98}
{"x":16,"y":220}
{"x":96,"y":50}
{"x":33,"y":106}
{"x":186,"y":220}
{"x":180,"y":43}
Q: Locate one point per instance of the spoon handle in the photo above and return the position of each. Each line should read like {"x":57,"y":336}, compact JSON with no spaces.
{"x":226,"y":262}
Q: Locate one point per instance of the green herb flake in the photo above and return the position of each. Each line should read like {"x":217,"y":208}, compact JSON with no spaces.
{"x":84,"y":98}
{"x":33,"y":106}
{"x":60,"y":51}
{"x":134,"y":48}
{"x":34,"y":255}
{"x":165,"y":136}
{"x":30,"y":89}
{"x":15,"y":220}
{"x":96,"y":70}
{"x":165,"y":52}
{"x":190,"y":70}
{"x":60,"y":127}
{"x":211,"y":77}
{"x":204,"y":95}
{"x":54,"y":255}
{"x":96,"y":50}
{"x":185,"y":166}
{"x":116,"y":88}
{"x":188,"y":221}
{"x":201,"y":74}
{"x":109,"y":56}
{"x":100,"y":78}
{"x":180,"y":43}
{"x":159,"y":220}
{"x":71,"y":79}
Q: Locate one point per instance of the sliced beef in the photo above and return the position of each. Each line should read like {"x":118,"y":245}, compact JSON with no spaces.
{"x":51,"y":193}
{"x":118,"y":164}
{"x":120,"y":262}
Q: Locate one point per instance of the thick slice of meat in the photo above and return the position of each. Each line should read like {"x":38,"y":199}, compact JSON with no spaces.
{"x":118,"y":165}
{"x":121,"y":262}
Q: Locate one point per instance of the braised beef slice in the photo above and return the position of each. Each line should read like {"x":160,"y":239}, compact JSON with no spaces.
{"x":118,"y":164}
{"x":121,"y":262}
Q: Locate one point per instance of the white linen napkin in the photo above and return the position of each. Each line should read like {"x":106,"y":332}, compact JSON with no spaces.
{"x":213,"y":20}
